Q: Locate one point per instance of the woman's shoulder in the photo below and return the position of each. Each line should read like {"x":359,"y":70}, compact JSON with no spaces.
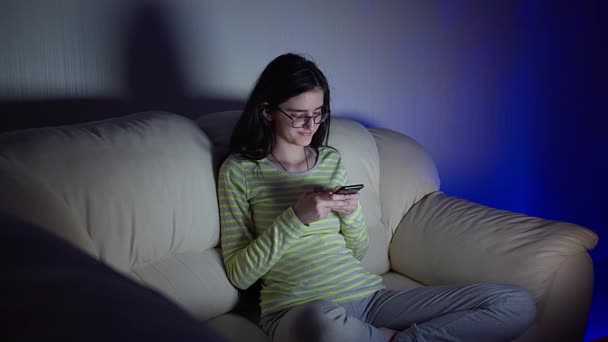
{"x":328,"y":152}
{"x":236,"y":161}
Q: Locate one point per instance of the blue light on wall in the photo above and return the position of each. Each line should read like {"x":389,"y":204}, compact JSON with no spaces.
{"x":550,"y":131}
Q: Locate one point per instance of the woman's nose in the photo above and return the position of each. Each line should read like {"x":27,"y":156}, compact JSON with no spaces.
{"x":309,"y":123}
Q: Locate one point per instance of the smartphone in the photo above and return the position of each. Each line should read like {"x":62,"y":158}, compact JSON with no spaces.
{"x":348,"y":189}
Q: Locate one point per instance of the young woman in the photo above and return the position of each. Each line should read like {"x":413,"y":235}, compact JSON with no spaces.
{"x":281,"y":224}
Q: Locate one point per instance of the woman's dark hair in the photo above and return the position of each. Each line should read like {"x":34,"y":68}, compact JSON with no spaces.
{"x":286,"y":76}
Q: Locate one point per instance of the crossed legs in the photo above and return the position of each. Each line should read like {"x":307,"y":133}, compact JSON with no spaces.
{"x":479,"y":312}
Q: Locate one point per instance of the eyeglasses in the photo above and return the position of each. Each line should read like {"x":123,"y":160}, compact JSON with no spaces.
{"x":303,"y":120}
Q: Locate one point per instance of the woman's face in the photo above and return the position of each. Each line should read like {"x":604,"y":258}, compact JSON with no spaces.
{"x":307,"y":104}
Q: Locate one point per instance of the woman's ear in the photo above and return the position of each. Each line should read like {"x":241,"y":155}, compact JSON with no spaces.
{"x":265,"y":108}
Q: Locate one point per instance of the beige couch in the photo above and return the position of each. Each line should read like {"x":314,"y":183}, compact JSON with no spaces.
{"x":138,"y":193}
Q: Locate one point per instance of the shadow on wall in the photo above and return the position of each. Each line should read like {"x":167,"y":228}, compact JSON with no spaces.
{"x":154,"y":80}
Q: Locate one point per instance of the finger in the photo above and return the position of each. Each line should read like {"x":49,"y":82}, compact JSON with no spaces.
{"x":337,"y":197}
{"x":345,"y":197}
{"x":327,"y":203}
{"x":353,"y":202}
{"x":341,"y":205}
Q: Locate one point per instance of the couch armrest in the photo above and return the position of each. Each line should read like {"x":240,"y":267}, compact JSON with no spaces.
{"x":447,"y":240}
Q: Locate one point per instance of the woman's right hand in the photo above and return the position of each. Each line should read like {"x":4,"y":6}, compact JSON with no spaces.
{"x":315,"y":205}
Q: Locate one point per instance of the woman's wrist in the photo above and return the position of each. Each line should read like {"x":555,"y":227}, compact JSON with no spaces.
{"x":298,"y":217}
{"x":351,"y":213}
{"x":347,"y":215}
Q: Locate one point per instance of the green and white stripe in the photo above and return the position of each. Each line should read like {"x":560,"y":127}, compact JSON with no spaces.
{"x":263,"y":239}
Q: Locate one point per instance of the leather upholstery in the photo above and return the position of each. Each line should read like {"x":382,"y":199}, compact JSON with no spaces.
{"x":138,"y":193}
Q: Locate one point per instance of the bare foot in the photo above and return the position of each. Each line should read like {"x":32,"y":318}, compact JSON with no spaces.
{"x":388,"y":333}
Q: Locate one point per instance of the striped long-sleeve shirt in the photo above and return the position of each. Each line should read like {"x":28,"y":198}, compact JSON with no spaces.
{"x":261,"y":237}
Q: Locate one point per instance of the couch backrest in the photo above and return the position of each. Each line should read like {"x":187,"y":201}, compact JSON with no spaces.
{"x":142,"y":190}
{"x":140,"y":185}
{"x":138,"y":192}
{"x":407,"y":174}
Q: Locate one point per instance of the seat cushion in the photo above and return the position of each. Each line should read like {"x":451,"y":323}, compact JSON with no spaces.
{"x":196,"y":281}
{"x":235,"y":328}
{"x":397,"y":281}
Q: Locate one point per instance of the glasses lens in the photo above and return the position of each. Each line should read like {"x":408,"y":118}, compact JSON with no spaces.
{"x":321,"y":118}
{"x":303,"y":121}
{"x":299,"y":122}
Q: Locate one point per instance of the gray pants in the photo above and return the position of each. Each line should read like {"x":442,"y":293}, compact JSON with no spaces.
{"x":479,"y":312}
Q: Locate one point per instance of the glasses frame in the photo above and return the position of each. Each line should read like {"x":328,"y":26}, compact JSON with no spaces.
{"x":315,"y":118}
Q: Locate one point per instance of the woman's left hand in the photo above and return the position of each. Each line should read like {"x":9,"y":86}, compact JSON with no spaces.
{"x":349,"y":203}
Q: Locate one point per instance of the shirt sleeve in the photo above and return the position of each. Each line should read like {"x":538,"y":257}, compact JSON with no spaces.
{"x":352,"y":226}
{"x":248,"y":258}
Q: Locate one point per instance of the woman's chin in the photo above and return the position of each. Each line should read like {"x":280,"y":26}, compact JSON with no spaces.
{"x":307,"y":136}
{"x":304,"y":142}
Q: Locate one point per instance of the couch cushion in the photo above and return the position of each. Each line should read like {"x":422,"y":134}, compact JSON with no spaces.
{"x":397,"y":281}
{"x":27,"y":198}
{"x":235,"y":328}
{"x":407,"y":174}
{"x":360,"y":155}
{"x":142,"y":186}
{"x":218,"y":127}
{"x":196,"y":281}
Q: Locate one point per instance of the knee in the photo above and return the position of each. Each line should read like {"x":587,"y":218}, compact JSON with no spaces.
{"x":519,"y":305}
{"x":318,"y":321}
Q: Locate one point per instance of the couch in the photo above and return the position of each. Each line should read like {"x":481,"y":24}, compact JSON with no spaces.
{"x":138,"y":193}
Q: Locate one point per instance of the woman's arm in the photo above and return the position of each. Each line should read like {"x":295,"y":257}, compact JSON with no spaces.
{"x":354,"y":230}
{"x":352,"y":226}
{"x":247,"y":258}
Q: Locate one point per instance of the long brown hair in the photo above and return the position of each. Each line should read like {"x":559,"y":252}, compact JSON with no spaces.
{"x":285,"y":77}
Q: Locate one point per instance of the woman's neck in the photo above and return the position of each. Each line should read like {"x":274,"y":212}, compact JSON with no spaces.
{"x":293,"y":159}
{"x":291,"y":154}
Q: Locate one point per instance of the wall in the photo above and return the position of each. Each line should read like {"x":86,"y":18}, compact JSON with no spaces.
{"x":504,"y":94}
